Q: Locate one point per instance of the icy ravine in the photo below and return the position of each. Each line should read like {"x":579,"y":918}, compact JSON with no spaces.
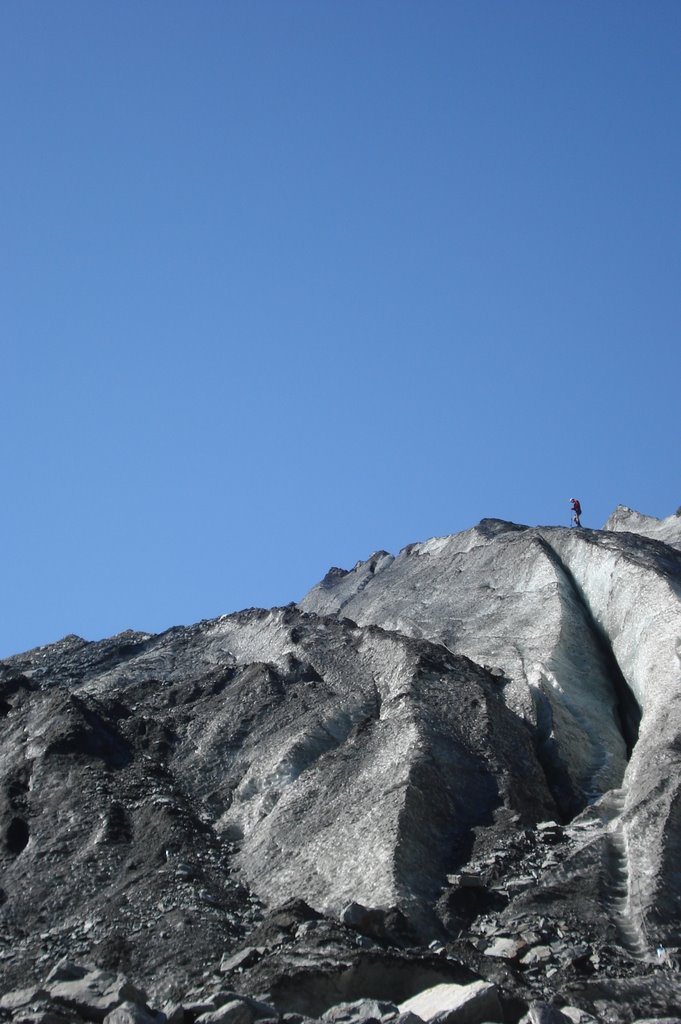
{"x":569,"y":616}
{"x":632,"y":591}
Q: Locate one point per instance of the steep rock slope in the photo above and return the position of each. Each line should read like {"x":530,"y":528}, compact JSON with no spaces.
{"x":633,"y":590}
{"x":159,"y":783}
{"x":482,"y":731}
{"x":585,"y":624}
{"x":498,"y":594}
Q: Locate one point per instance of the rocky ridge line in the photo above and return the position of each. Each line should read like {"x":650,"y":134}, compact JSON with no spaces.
{"x":474,"y":740}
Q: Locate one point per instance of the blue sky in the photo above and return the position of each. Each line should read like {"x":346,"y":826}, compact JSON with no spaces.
{"x":284,"y":282}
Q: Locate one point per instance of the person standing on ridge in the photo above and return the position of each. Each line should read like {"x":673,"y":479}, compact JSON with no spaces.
{"x":576,"y":511}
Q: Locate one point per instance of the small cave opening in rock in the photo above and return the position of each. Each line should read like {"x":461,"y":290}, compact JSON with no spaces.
{"x":17,"y":836}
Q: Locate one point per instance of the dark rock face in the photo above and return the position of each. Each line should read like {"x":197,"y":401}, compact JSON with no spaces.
{"x":471,"y":747}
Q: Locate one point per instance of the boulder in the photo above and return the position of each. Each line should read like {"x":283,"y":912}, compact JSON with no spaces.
{"x":22,"y":997}
{"x":234,"y":1012}
{"x":506,"y":948}
{"x":130,"y":1013}
{"x":467,"y":880}
{"x":577,"y":1015}
{"x":68,"y":970}
{"x":193,"y":1008}
{"x":173,"y":1013}
{"x":214,"y":1004}
{"x":244,"y":958}
{"x":41,"y":1015}
{"x":96,"y":994}
{"x":360,"y":1010}
{"x":384,"y":924}
{"x":537,"y":955}
{"x":456,"y":1004}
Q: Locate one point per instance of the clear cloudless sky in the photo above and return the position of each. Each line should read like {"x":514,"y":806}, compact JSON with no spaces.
{"x":283,"y":282}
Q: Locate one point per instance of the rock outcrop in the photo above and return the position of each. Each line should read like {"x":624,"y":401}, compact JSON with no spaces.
{"x":667,"y":530}
{"x":457,"y":767}
{"x":584,"y":626}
